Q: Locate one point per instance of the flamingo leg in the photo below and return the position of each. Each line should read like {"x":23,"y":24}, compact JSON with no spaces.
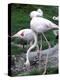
{"x":37,"y":48}
{"x":31,"y":42}
{"x":40,"y":52}
{"x":46,"y":40}
{"x":45,"y":67}
{"x":41,"y":43}
{"x":40,"y":47}
{"x":46,"y":62}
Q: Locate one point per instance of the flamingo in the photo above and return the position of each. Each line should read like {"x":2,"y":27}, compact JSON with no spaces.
{"x":38,"y":13}
{"x":39,"y":25}
{"x":27,"y":35}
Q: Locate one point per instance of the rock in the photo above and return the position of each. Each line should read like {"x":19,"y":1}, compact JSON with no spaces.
{"x":52,"y":56}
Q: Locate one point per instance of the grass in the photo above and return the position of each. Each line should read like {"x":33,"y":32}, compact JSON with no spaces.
{"x":37,"y":72}
{"x":16,"y":50}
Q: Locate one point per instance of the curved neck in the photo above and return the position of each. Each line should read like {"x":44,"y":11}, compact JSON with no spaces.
{"x":33,"y":46}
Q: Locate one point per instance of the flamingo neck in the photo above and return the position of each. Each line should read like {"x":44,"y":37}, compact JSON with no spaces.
{"x":35,"y":43}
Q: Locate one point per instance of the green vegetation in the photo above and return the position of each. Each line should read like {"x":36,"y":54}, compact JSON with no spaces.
{"x":37,"y":72}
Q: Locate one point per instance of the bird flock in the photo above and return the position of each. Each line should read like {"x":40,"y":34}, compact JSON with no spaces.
{"x":38,"y":25}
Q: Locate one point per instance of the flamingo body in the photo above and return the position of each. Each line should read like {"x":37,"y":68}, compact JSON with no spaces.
{"x":39,"y":24}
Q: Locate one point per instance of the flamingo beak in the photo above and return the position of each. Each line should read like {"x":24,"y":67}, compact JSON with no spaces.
{"x":15,"y":36}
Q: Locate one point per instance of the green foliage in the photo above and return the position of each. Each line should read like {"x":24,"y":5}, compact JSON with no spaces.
{"x":52,"y":71}
{"x":35,"y":72}
{"x":16,"y":50}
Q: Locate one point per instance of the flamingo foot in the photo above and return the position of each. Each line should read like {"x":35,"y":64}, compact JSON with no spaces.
{"x":45,"y":68}
{"x":27,"y":64}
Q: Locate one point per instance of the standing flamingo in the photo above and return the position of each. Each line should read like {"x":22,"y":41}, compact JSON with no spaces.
{"x":38,"y":13}
{"x":38,"y":25}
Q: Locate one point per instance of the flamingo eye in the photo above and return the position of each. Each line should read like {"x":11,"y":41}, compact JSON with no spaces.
{"x":22,"y":34}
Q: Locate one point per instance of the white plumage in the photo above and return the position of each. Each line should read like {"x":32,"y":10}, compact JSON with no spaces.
{"x":39,"y":24}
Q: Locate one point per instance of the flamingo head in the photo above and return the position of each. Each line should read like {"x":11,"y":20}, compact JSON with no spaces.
{"x":40,"y":11}
{"x":19,"y":35}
